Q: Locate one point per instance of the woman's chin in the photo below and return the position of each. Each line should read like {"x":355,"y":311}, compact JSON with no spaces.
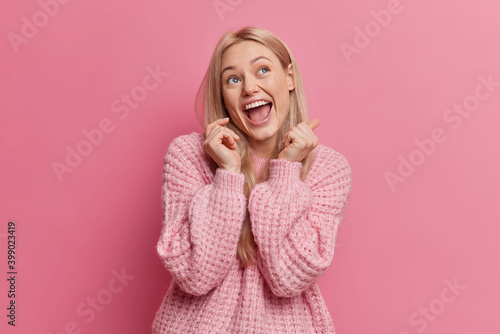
{"x":263,"y":135}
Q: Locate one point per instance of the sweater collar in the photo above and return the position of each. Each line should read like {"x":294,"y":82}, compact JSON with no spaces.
{"x":258,"y":161}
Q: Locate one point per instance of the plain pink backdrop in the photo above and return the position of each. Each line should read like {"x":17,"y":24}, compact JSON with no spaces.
{"x":382,"y":76}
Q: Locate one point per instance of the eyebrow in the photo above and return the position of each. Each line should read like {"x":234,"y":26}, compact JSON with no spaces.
{"x":251,"y":62}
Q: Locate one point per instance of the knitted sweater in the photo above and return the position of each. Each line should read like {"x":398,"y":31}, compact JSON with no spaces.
{"x":294,"y":222}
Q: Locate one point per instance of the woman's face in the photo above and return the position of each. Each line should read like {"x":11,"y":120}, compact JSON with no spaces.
{"x":252,"y":72}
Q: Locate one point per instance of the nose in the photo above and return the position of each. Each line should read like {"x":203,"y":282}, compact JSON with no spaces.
{"x":250,"y":87}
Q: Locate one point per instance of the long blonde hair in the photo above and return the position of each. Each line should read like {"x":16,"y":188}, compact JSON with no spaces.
{"x":209,"y":105}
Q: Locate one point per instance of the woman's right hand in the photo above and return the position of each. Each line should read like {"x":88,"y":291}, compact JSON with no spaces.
{"x":220,"y":145}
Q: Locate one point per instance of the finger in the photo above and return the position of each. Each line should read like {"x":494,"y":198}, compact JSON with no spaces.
{"x":290,"y":137}
{"x":229,"y":146}
{"x":215,"y":123}
{"x":286,"y":140}
{"x":229,"y":139}
{"x":220,"y":121}
{"x":307,"y":133}
{"x":224,"y":136}
{"x":301,"y":131}
{"x":313,"y":124}
{"x":210,"y":135}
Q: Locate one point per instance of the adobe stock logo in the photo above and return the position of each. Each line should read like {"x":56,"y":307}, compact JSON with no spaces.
{"x":429,"y":313}
{"x":98,"y":302}
{"x":373,"y":28}
{"x":30,"y":28}
{"x":222,"y":6}
{"x":426,"y":147}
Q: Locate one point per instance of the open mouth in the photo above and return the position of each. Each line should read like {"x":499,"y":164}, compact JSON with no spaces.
{"x":259,"y":112}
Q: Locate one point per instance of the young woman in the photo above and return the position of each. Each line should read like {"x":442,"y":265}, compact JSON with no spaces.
{"x":252,"y":206}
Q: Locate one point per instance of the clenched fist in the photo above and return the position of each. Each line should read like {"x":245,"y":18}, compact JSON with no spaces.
{"x":299,"y":141}
{"x":220,"y":145}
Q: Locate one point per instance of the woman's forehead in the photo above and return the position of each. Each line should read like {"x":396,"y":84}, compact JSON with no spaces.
{"x":246,"y":51}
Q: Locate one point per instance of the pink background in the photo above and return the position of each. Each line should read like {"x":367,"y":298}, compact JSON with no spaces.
{"x":400,"y":245}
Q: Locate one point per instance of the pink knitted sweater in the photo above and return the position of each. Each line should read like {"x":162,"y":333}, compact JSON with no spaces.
{"x":294,"y":222}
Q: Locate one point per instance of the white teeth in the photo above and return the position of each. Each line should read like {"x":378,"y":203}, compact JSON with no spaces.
{"x":255,"y":104}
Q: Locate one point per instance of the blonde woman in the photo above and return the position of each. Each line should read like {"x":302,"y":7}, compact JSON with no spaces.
{"x":252,"y":206}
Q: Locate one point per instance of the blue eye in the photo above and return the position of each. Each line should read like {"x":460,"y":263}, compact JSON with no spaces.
{"x":264,"y":68}
{"x":229,"y":80}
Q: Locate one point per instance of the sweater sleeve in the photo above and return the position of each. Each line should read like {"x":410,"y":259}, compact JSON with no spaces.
{"x":202,"y":218}
{"x":295,"y":222}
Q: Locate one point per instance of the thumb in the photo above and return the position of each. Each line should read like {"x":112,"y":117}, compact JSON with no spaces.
{"x":313,"y":124}
{"x":285,"y":141}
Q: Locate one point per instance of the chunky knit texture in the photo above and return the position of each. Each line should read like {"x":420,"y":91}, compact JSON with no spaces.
{"x":295,"y":224}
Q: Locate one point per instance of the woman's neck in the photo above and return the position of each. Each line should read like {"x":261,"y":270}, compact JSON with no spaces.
{"x":259,"y":165}
{"x":263,"y":149}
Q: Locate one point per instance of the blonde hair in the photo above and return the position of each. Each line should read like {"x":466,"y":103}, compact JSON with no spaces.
{"x":209,"y":103}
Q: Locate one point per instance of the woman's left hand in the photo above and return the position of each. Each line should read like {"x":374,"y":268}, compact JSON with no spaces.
{"x":299,"y":141}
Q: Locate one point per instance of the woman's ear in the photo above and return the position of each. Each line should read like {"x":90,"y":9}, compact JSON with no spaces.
{"x":290,"y":77}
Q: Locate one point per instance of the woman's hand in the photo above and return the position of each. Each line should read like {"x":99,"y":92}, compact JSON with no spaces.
{"x":220,"y":145}
{"x":299,"y":141}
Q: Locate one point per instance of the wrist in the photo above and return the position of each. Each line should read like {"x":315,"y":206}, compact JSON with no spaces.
{"x":281,"y":157}
{"x":236,"y":170}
